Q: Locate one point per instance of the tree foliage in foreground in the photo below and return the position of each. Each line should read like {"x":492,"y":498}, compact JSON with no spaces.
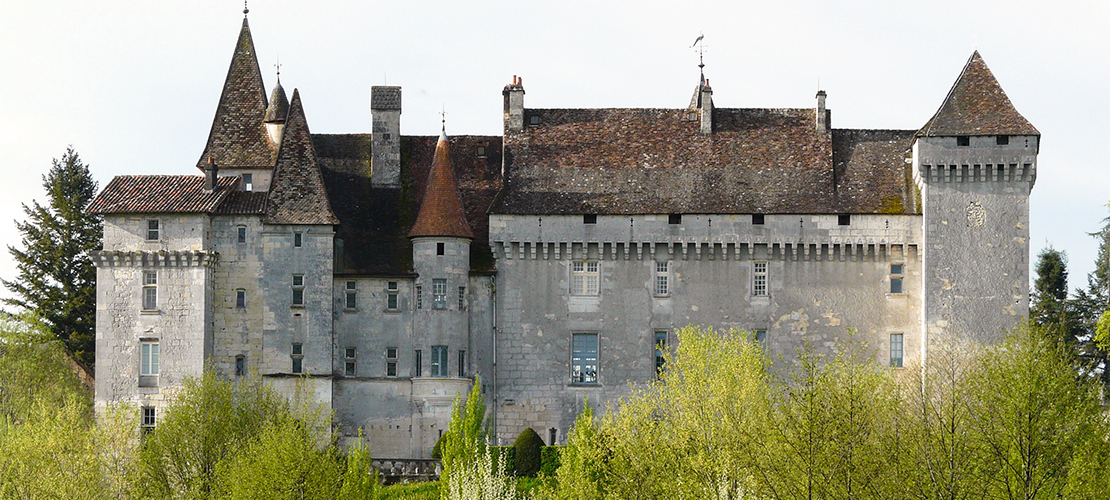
{"x":56,"y":279}
{"x":1009,"y":421}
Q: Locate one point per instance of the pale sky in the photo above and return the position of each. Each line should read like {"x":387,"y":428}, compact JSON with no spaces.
{"x":133,"y":85}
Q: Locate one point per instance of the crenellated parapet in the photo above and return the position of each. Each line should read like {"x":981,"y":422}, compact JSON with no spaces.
{"x":705,"y":237}
{"x":160,"y":258}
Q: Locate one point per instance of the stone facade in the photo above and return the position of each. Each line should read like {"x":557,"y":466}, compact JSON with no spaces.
{"x":382,"y":274}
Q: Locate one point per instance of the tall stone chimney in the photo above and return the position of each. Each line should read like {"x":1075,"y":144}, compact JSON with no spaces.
{"x":385,"y":137}
{"x":210,"y":175}
{"x":514,"y":105}
{"x":822,"y":113}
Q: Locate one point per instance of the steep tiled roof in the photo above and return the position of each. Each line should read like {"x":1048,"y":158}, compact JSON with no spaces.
{"x":976,"y":105}
{"x":631,"y":161}
{"x":371,"y":237}
{"x":279,"y":105}
{"x":243,"y":203}
{"x":134,"y":194}
{"x":872,"y":175}
{"x":297,"y":194}
{"x":441,"y":212}
{"x":238,"y":137}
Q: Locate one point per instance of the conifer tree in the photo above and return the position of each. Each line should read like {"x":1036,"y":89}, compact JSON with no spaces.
{"x":1091,"y":305}
{"x":56,"y":279}
{"x":1050,"y":307}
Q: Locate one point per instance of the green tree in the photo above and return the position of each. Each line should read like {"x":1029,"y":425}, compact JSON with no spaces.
{"x":1050,"y":308}
{"x":360,"y":478}
{"x":582,"y":461}
{"x":36,"y":369}
{"x":1092,"y":305}
{"x":56,"y":279}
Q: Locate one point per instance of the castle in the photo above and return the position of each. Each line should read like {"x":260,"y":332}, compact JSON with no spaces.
{"x":384,"y":272}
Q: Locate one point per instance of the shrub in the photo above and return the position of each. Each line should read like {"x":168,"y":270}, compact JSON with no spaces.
{"x":549,"y":460}
{"x":526,"y":453}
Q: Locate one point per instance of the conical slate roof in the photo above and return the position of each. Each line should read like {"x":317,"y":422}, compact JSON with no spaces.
{"x":977,"y":105}
{"x":238,"y":136}
{"x":279,"y":105}
{"x":297,"y":194}
{"x":441,"y":212}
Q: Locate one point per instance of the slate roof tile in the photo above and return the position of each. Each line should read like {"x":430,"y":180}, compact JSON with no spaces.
{"x":160,"y":194}
{"x":977,"y":105}
{"x":297,"y":194}
{"x":243,"y":203}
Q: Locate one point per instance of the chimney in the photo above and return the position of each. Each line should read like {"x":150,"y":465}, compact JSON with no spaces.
{"x":385,"y":137}
{"x":822,"y":113}
{"x":210,"y":171}
{"x":706,"y":104}
{"x":514,"y":105}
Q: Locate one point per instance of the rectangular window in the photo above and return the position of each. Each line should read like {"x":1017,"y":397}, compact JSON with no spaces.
{"x":419,"y":297}
{"x":298,"y":239}
{"x":585,"y":277}
{"x":240,"y":365}
{"x":896,"y":350}
{"x":152,"y":230}
{"x":150,"y":358}
{"x":298,"y":289}
{"x":844,"y":219}
{"x":418,"y":363}
{"x":439,"y":361}
{"x":589,"y":219}
{"x":1002,"y":140}
{"x":759,"y":279}
{"x":241,"y":298}
{"x":150,"y":290}
{"x":241,"y":234}
{"x":896,"y":278}
{"x":439,"y":249}
{"x":462,"y":298}
{"x":349,"y":361}
{"x":761,"y":337}
{"x":660,"y":347}
{"x":439,"y":294}
{"x":298,"y":357}
{"x":963,"y":140}
{"x":149,"y":420}
{"x":391,"y":302}
{"x":391,"y":361}
{"x":248,"y":182}
{"x":674,"y":219}
{"x":757,"y":219}
{"x":583,"y":359}
{"x":462,"y":363}
{"x":662,"y":278}
{"x":351,"y":294}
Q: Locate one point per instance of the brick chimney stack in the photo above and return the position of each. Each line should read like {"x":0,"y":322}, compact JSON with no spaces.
{"x":210,"y":171}
{"x":514,"y":105}
{"x":822,"y":112}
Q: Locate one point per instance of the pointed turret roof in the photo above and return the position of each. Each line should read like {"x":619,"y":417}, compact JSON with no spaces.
{"x":297,"y":194}
{"x":977,"y":105}
{"x":238,"y":136}
{"x":441,"y":212}
{"x":279,"y":105}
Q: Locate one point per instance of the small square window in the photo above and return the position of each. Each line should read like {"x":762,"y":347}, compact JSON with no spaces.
{"x":534,"y":120}
{"x":240,"y":298}
{"x":757,"y":219}
{"x":241,"y":234}
{"x":674,"y":219}
{"x":895,"y":285}
{"x":439,"y":248}
{"x":481,"y":151}
{"x":298,"y":349}
{"x":963,"y":140}
{"x":1002,"y":140}
{"x":589,"y":219}
{"x":297,"y":240}
{"x":298,"y":280}
{"x":149,"y":420}
{"x":896,"y":269}
{"x":844,"y":220}
{"x":248,"y":182}
{"x":152,"y":230}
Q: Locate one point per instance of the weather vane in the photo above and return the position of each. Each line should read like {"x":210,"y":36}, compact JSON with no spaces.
{"x":277,"y":66}
{"x":245,"y":9}
{"x":701,"y":55}
{"x":443,"y":118}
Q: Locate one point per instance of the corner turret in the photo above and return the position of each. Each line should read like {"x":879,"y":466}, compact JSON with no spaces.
{"x":276,"y":113}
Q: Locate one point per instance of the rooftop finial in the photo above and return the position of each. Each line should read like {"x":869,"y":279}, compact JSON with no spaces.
{"x":277,"y":66}
{"x":245,"y":9}
{"x":443,"y":118}
{"x":701,"y":56}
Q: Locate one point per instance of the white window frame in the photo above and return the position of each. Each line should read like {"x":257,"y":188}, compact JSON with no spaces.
{"x":462,"y":298}
{"x":150,"y":291}
{"x":391,"y":361}
{"x":759,"y":279}
{"x":149,"y":358}
{"x":897,"y":350}
{"x":153,"y":230}
{"x":419,"y":297}
{"x":297,"y":357}
{"x":897,"y":279}
{"x":392,"y":296}
{"x":350,"y":295}
{"x":439,"y":293}
{"x":584,"y":354}
{"x":148,"y":419}
{"x":662,"y":282}
{"x":350,"y":361}
{"x":585,"y":278}
{"x":248,"y":182}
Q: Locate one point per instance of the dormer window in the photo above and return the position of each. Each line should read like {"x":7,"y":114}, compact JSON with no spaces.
{"x":481,"y":152}
{"x":248,"y":182}
{"x":534,"y":120}
{"x":152,"y":230}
